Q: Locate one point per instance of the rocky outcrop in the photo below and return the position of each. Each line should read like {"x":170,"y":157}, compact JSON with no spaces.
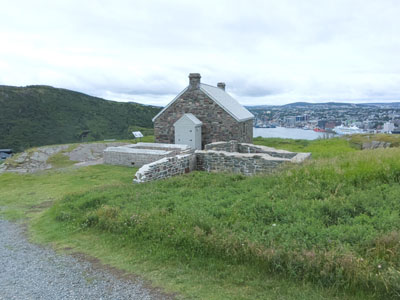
{"x":90,"y":152}
{"x":37,"y":159}
{"x":33,"y":160}
{"x":375,"y":145}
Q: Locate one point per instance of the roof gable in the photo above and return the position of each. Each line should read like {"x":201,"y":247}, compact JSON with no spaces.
{"x":169,"y":104}
{"x":188,"y":119}
{"x":222,"y":98}
{"x":227,"y":102}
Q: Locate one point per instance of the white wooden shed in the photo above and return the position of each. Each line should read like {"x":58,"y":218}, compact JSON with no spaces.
{"x":188,"y":131}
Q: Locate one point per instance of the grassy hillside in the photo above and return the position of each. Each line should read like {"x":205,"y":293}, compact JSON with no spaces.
{"x":332,"y":222}
{"x":197,"y":279}
{"x":327,"y":229}
{"x":325,"y":148}
{"x":42,"y":115}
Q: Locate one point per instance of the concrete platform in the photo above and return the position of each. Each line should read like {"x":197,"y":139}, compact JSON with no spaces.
{"x":137,"y":155}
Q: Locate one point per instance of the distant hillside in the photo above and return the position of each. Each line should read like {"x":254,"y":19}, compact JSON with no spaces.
{"x":338,"y":104}
{"x":42,"y":115}
{"x":302,"y":104}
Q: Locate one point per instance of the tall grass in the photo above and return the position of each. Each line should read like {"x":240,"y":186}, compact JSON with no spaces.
{"x":357,"y":140}
{"x":320,"y":148}
{"x":333,"y":221}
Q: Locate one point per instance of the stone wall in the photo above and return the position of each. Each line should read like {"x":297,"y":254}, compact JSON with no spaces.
{"x":248,"y":159}
{"x":218,"y":157}
{"x":231,"y":146}
{"x":137,"y":155}
{"x":173,"y":148}
{"x":234,"y":162}
{"x":166,"y":167}
{"x":218,"y":125}
{"x":234,"y":146}
{"x":132,"y":157}
{"x":250,"y":148}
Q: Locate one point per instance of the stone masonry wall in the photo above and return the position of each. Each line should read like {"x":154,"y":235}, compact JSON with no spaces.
{"x":173,"y":148}
{"x":166,"y":167}
{"x":220,"y":157}
{"x":133,"y":159}
{"x":247,"y":164}
{"x":231,"y":146}
{"x":137,"y":155}
{"x":218,"y":125}
{"x":234,"y":146}
{"x":250,"y":148}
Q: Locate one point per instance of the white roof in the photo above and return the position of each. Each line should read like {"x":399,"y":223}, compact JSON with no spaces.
{"x":192,"y":118}
{"x":223,"y":99}
{"x":227,"y":102}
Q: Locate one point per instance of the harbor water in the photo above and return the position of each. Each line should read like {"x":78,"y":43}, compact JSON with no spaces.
{"x":289,"y":133}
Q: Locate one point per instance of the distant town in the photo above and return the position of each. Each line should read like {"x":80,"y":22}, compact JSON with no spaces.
{"x":340,"y":118}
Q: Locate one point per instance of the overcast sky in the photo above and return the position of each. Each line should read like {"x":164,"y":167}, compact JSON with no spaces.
{"x":267,"y":52}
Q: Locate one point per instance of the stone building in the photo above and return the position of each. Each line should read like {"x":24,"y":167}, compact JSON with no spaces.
{"x":222,"y":117}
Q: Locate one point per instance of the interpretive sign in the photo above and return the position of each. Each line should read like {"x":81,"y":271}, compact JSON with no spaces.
{"x":137,"y":134}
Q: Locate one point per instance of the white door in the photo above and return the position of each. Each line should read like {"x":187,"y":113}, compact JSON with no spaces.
{"x":185,"y":135}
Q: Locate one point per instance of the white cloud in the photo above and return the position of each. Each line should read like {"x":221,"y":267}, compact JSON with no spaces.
{"x":266,"y":51}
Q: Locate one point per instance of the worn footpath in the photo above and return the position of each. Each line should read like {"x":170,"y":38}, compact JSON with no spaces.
{"x":28,"y":271}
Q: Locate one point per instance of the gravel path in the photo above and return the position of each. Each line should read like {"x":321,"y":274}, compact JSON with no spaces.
{"x":28,"y":271}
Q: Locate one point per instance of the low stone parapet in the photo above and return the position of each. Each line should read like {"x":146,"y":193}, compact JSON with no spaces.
{"x":231,"y":146}
{"x":166,"y":167}
{"x":174,"y":148}
{"x":137,"y":155}
{"x":132,"y":157}
{"x":248,"y":159}
{"x":158,"y":161}
{"x":251,"y":148}
{"x":234,"y":146}
{"x":244,"y":163}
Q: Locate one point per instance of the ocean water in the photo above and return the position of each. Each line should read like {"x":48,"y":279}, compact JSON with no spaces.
{"x":289,"y":133}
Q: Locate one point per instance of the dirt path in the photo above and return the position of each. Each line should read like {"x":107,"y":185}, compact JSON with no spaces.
{"x":29,"y":271}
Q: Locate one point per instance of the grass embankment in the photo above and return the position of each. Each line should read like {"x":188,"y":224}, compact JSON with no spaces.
{"x":331,"y":222}
{"x":321,"y":148}
{"x":332,"y":225}
{"x":325,"y":148}
{"x":23,"y":194}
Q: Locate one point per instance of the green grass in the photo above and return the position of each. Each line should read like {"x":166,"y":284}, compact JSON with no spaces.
{"x":331,"y":222}
{"x":320,"y":148}
{"x":357,"y":140}
{"x":326,"y":148}
{"x":60,"y":159}
{"x":21,"y":194}
{"x":145,"y":139}
{"x":328,"y":229}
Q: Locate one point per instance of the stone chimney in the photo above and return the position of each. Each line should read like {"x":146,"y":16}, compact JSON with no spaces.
{"x":221,"y":85}
{"x":194,"y":80}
